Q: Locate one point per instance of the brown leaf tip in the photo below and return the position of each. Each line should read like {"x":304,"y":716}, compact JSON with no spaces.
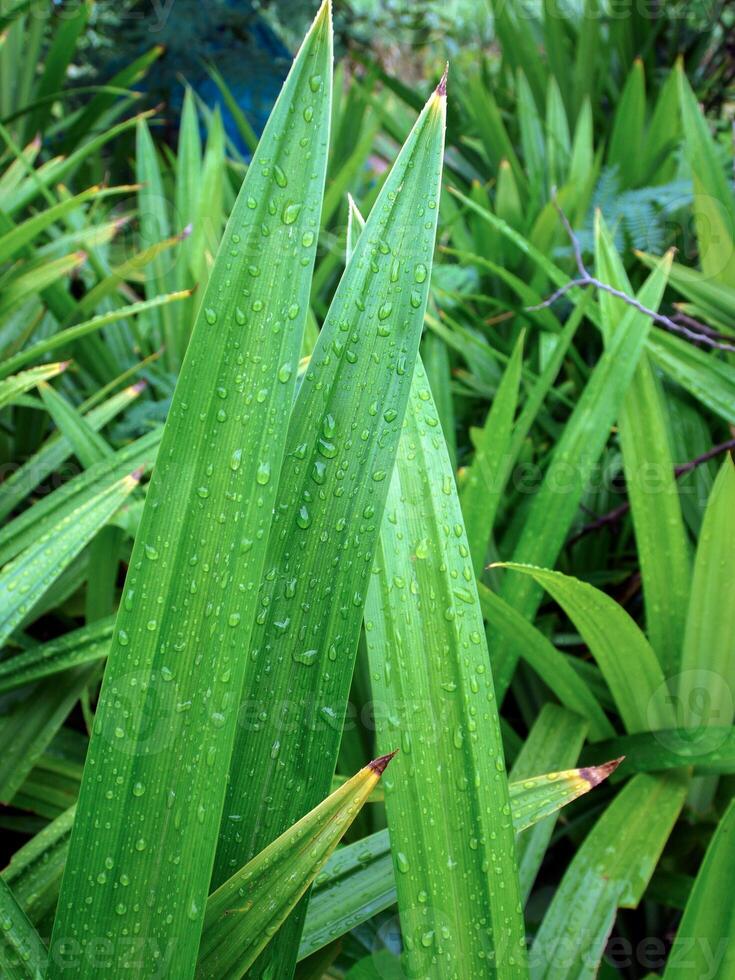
{"x":379,"y":765}
{"x":596,"y":774}
{"x":137,"y":475}
{"x":441,"y":88}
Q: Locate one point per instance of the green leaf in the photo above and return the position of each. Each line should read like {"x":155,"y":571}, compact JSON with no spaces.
{"x":430,"y":669}
{"x":707,"y":750}
{"x":555,"y":740}
{"x":72,"y":649}
{"x":627,"y":128}
{"x":663,"y":547}
{"x":704,"y":688}
{"x":341,"y":446}
{"x":194,"y":573}
{"x":245,"y":912}
{"x":714,"y":205}
{"x":67,"y":336}
{"x":89,"y":446}
{"x":11,"y":388}
{"x":609,"y":871}
{"x":34,"y":871}
{"x":22,"y":954}
{"x":359,"y":880}
{"x":622,"y":652}
{"x":526,"y":642}
{"x":487,"y":476}
{"x":705,"y":940}
{"x":55,"y":509}
{"x":576,"y":453}
{"x":24,"y":581}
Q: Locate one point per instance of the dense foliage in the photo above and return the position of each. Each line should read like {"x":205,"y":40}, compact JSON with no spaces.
{"x":403,"y":427}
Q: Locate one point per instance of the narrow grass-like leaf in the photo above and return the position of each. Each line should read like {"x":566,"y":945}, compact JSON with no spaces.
{"x":22,"y":954}
{"x":24,"y":581}
{"x":486,"y":477}
{"x":70,"y":650}
{"x":70,"y":334}
{"x":555,"y":738}
{"x":663,"y":548}
{"x":31,"y":724}
{"x":709,"y":651}
{"x":707,"y":750}
{"x":247,"y":910}
{"x":54,"y":509}
{"x":34,"y":871}
{"x":359,"y":880}
{"x":452,"y":835}
{"x":705,"y":940}
{"x":341,"y":446}
{"x":575,"y":455}
{"x":622,"y":652}
{"x":198,"y":556}
{"x":610,"y":870}
{"x":89,"y":446}
{"x":11,"y":388}
{"x":526,"y":642}
{"x":705,"y":687}
{"x":714,"y":207}
{"x":56,"y":450}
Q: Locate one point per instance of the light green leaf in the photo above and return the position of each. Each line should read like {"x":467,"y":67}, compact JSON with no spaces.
{"x":622,"y":652}
{"x":245,"y":912}
{"x":194,"y":573}
{"x":341,"y":446}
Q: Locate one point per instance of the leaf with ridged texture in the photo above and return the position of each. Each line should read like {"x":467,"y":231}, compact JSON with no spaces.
{"x":341,"y":447}
{"x":709,"y":379}
{"x":714,"y":205}
{"x":705,"y":687}
{"x":623,"y":654}
{"x":22,"y":954}
{"x":643,"y":430}
{"x":34,"y":872}
{"x":51,"y":510}
{"x":705,"y":940}
{"x":245,"y":912}
{"x":556,"y":738}
{"x":575,"y":455}
{"x":487,"y":476}
{"x":447,"y":793}
{"x":13,"y":387}
{"x":707,"y":750}
{"x":167,"y":711}
{"x":359,"y":880}
{"x":24,"y":581}
{"x":530,"y":644}
{"x":70,"y":650}
{"x":57,"y":449}
{"x":610,"y":870}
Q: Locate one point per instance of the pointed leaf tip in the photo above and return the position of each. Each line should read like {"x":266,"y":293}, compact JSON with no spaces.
{"x":441,"y":88}
{"x":596,"y":774}
{"x":379,"y":765}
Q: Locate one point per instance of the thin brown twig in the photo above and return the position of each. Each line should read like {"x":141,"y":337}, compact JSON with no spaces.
{"x":586,"y":278}
{"x":617,"y":513}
